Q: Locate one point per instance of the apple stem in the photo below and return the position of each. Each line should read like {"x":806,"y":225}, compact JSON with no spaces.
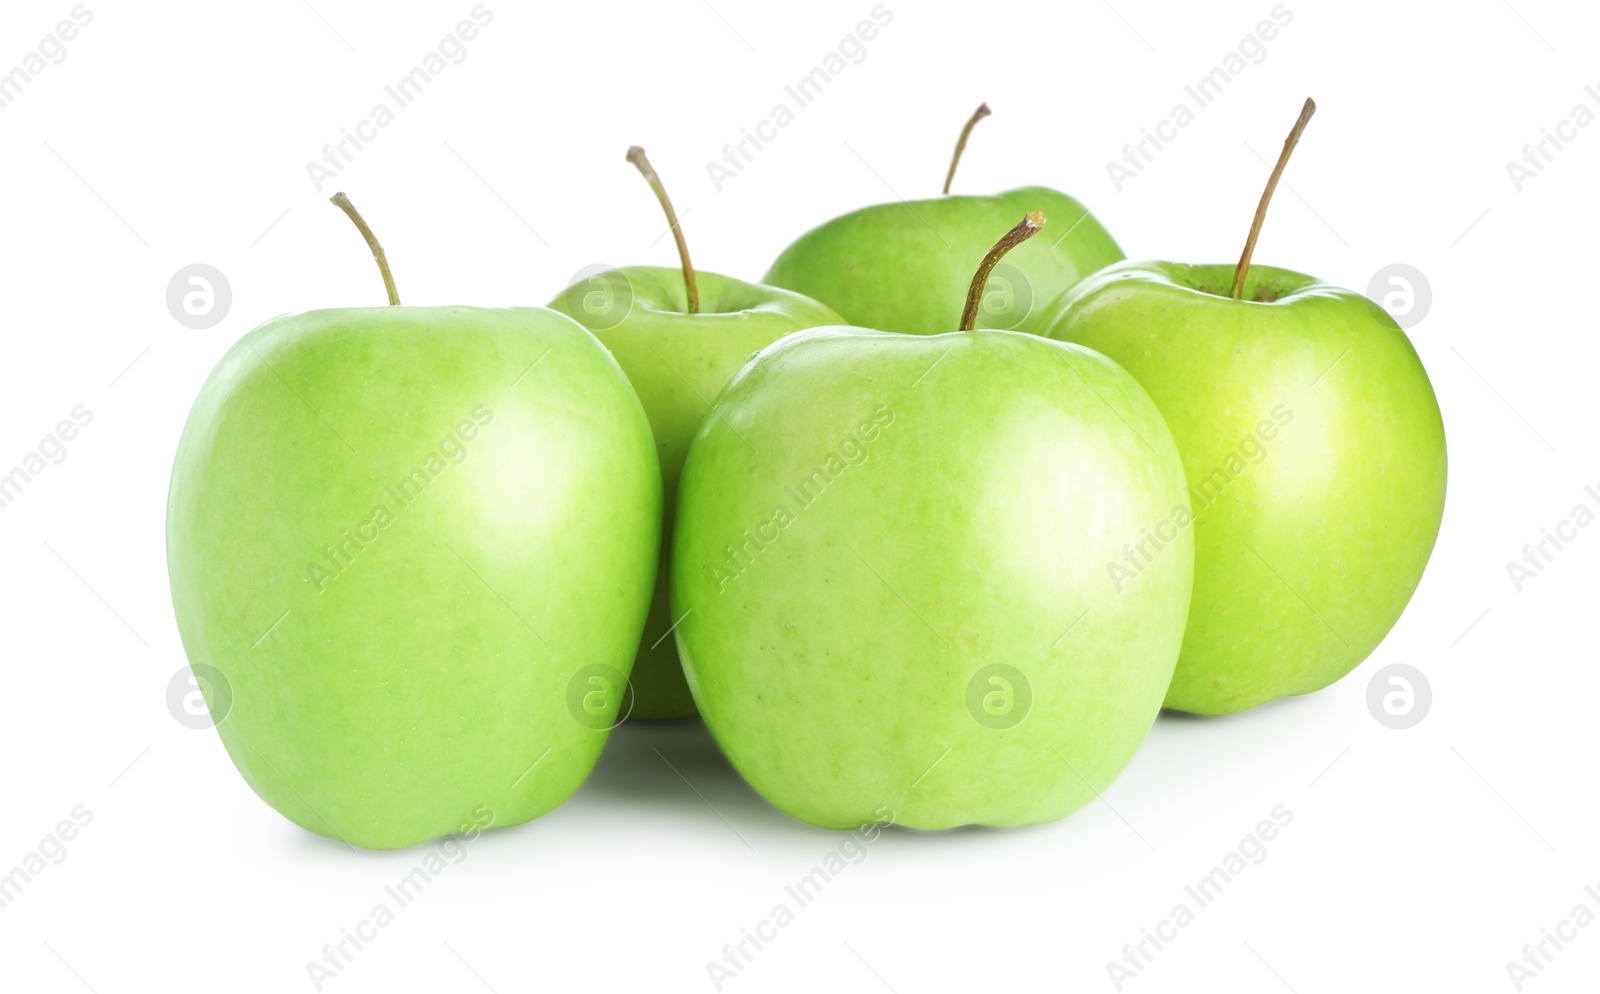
{"x":1025,"y":229}
{"x":637,"y":157}
{"x":961,"y":143}
{"x":1243,"y":269}
{"x":342,"y":202}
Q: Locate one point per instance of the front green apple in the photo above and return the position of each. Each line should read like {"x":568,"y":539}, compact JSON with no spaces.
{"x":890,"y":563}
{"x":414,"y":546}
{"x":400,"y":534}
{"x":678,"y":363}
{"x":1315,"y":456}
{"x":905,"y":266}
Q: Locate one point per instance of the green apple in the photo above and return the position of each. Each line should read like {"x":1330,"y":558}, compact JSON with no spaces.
{"x":680,"y":338}
{"x":889,"y":559}
{"x":417,"y":544}
{"x":905,"y":266}
{"x":1315,"y":456}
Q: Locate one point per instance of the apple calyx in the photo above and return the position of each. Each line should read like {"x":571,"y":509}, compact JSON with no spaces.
{"x":1026,"y":228}
{"x":637,"y":157}
{"x":342,"y":202}
{"x":1243,"y":269}
{"x":961,"y":143}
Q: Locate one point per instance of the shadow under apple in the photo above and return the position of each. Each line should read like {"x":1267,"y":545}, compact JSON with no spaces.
{"x":674,"y":768}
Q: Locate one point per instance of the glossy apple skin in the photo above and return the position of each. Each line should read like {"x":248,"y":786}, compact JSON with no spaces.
{"x":1304,"y":556}
{"x":407,"y":696}
{"x":978,"y":484}
{"x":678,"y":363}
{"x":906,"y":266}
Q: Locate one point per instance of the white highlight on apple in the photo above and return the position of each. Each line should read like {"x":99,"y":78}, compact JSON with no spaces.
{"x":452,"y":450}
{"x":1251,"y":451}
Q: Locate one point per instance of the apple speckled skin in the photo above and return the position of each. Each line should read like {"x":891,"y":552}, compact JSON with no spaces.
{"x":873,"y":524}
{"x":1315,"y":455}
{"x":678,"y":363}
{"x":399,"y":533}
{"x":906,"y":266}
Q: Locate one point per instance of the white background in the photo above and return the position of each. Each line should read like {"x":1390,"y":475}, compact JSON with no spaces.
{"x":176,"y":133}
